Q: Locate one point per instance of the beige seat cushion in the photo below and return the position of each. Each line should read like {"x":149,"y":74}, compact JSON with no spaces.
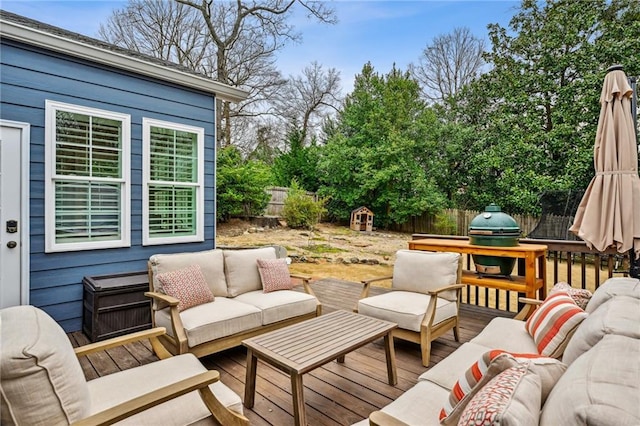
{"x":211,"y":264}
{"x":220,"y":318}
{"x":40,"y":376}
{"x":507,"y":334}
{"x":241,"y":269}
{"x":279,"y":305}
{"x":447,"y":372}
{"x":108,"y":391}
{"x":420,"y":405}
{"x":599,"y":388}
{"x":405,"y":308}
{"x":421,"y":271}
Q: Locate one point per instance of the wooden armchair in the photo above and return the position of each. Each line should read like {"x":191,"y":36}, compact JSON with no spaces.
{"x":425,"y":297}
{"x":42,"y":381}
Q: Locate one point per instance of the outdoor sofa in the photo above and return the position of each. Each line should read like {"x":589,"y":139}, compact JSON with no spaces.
{"x":241,"y":304}
{"x":593,"y":380}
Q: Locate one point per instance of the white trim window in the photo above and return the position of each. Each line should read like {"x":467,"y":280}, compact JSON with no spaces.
{"x":87,"y":178}
{"x":173,"y":183}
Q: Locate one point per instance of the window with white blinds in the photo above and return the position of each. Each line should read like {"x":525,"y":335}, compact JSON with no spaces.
{"x":173,"y":195}
{"x":87,"y":174}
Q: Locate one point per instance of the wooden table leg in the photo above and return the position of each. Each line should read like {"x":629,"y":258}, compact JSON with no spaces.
{"x":390,"y":353}
{"x":297,"y":388}
{"x":250,"y":379}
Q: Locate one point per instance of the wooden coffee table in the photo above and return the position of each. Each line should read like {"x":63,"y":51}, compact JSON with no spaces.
{"x":300,"y":348}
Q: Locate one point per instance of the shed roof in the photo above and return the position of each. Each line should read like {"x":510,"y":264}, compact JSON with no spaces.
{"x":360,"y":209}
{"x":26,"y":30}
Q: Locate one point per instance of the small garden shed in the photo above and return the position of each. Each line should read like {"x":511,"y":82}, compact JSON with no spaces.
{"x":108,"y":157}
{"x":362,"y":219}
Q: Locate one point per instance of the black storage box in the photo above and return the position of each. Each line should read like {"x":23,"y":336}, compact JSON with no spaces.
{"x":115,"y":305}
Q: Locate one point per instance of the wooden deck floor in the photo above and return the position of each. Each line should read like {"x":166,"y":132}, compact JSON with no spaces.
{"x":335,"y":394}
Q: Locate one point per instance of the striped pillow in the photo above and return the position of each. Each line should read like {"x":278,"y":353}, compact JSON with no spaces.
{"x":553,"y":324}
{"x":491,"y":364}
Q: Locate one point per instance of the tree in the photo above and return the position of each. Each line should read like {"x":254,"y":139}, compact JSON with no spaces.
{"x":233,"y":42}
{"x":535,"y":112}
{"x":309,"y":98}
{"x":451,"y":61}
{"x":381,"y":155}
{"x":240,"y":185}
{"x":299,"y":163}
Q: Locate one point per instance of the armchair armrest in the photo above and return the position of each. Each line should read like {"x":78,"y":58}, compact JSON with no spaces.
{"x":151,"y":334}
{"x":446,"y":288}
{"x":380,"y":418}
{"x":366,"y":285}
{"x":305,"y":282}
{"x":530,"y":305}
{"x":163,"y":300}
{"x":199,"y":382}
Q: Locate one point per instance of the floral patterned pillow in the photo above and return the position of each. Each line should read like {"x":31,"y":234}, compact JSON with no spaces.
{"x":188,"y":285}
{"x":274,"y":274}
{"x":579,"y":295}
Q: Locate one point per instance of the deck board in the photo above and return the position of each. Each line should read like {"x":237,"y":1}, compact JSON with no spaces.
{"x":335,"y":394}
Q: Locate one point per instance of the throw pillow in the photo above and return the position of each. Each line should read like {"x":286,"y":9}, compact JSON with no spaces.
{"x":553,"y":324}
{"x":274,"y":274}
{"x":188,"y":285}
{"x":579,"y":295}
{"x":510,"y":398}
{"x":548,"y":370}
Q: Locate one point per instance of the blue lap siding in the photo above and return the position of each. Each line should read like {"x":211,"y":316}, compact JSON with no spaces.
{"x":30,"y":75}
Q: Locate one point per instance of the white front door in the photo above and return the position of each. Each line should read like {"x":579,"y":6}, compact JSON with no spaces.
{"x":14,"y":222}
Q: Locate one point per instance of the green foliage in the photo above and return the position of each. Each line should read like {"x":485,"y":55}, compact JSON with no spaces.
{"x":300,"y":210}
{"x":383,"y":153}
{"x":299,"y":163}
{"x":445,"y":224}
{"x":534,"y":114}
{"x":240,"y":185}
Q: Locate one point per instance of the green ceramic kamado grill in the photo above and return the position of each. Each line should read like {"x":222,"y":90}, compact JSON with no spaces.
{"x":497,"y":229}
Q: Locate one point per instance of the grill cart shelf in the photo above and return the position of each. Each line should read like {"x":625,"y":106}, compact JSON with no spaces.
{"x":115,"y":305}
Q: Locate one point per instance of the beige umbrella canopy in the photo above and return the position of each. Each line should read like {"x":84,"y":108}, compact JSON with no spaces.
{"x":609,"y":213}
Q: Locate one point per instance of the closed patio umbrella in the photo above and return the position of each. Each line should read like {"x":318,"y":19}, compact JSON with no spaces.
{"x":609,"y":213}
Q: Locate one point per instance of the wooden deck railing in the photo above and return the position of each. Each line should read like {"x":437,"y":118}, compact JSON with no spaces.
{"x":569,"y":261}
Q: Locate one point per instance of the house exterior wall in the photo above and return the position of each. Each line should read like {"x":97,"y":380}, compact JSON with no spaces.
{"x":29,"y":76}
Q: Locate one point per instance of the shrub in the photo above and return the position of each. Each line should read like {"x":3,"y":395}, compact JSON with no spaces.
{"x":300,"y":210}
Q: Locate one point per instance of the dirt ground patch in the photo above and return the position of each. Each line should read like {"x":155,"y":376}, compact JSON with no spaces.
{"x":327,"y":251}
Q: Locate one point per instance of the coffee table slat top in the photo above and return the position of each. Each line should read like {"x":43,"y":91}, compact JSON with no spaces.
{"x":320,"y":343}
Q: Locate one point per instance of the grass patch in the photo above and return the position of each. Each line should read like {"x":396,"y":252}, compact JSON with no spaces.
{"x":323,"y":248}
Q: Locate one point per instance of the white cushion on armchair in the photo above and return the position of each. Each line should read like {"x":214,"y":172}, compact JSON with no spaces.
{"x":422,"y":271}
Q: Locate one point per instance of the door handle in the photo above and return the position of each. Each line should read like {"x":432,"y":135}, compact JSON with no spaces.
{"x":12,"y":244}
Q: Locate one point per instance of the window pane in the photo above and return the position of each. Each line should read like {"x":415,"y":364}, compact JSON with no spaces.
{"x":173,"y":156}
{"x":172,"y":211}
{"x":88,"y":146}
{"x":72,"y":143}
{"x":87,"y":211}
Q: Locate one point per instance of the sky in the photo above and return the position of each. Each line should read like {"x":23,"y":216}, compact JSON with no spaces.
{"x":377,"y":31}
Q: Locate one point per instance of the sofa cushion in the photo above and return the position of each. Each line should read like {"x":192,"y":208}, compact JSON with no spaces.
{"x":553,"y":323}
{"x":211,"y":263}
{"x":599,"y":387}
{"x":40,"y":376}
{"x":420,"y":405}
{"x":611,"y":288}
{"x":241,"y":269}
{"x":579,"y":295}
{"x":510,"y":398}
{"x":447,"y":372}
{"x":274,"y":275}
{"x":405,"y":308}
{"x":507,"y":334}
{"x":279,"y":305}
{"x":620,"y":315}
{"x":420,"y":271}
{"x":187,"y":285}
{"x":108,"y":391}
{"x":220,"y":318}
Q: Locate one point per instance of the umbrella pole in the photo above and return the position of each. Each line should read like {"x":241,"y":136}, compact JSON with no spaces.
{"x":634,"y":264}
